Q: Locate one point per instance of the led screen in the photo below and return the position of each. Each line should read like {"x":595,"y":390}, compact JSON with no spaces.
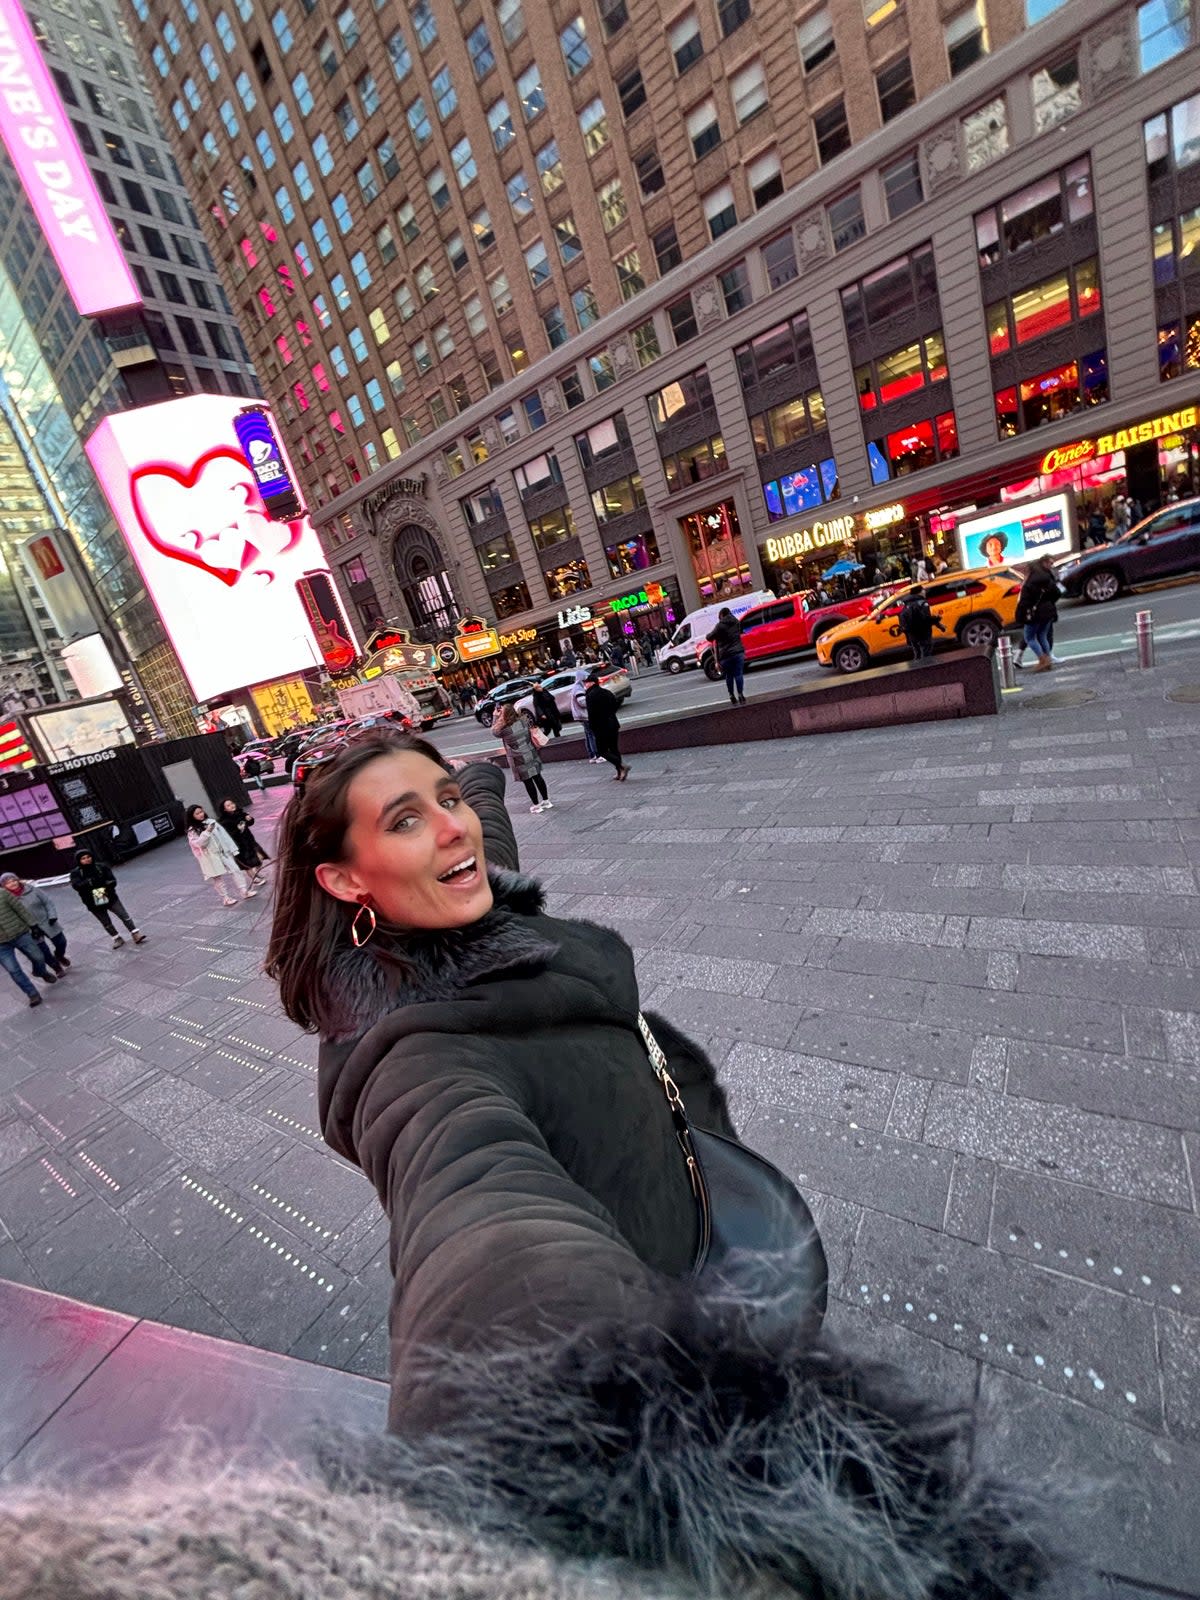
{"x":1018,"y":533}
{"x":222,"y":575}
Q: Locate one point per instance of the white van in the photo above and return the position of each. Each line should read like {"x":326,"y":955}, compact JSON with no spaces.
{"x":680,"y":651}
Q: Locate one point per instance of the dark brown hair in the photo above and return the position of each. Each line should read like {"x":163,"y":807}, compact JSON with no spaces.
{"x":311,"y":928}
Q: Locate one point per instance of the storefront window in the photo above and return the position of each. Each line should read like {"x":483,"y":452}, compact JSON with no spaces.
{"x":714,"y":539}
{"x":794,"y":492}
{"x":508,"y":602}
{"x":912,"y":448}
{"x":618,"y":499}
{"x":568,"y":579}
{"x":696,"y":463}
{"x":1170,"y":364}
{"x":1050,"y":395}
{"x":1008,"y":421}
{"x":555,"y":527}
{"x":632,"y":555}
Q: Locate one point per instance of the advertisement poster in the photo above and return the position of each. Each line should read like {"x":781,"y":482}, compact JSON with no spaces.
{"x":223,"y":576}
{"x":1018,"y":533}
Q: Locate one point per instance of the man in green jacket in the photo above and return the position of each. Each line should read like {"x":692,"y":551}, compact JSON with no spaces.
{"x":17,"y":923}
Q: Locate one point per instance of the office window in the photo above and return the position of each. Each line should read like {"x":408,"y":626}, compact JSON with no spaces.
{"x":549,"y":167}
{"x":321,"y":238}
{"x":385,"y":243}
{"x":779,"y":259}
{"x":966,"y":38}
{"x":481,"y":230}
{"x":631,"y":91}
{"x":593,"y":124}
{"x":720,"y":212}
{"x":788,"y":423}
{"x":368,"y":93}
{"x":667,"y":253}
{"x":649,"y":171}
{"x":327,"y":55}
{"x":389,"y":161}
{"x":456,"y":252}
{"x":765,"y":177}
{"x":846,"y":221}
{"x":444,"y":95}
{"x":422,"y":358}
{"x":832,"y":130}
{"x":782,"y":349}
{"x":684,"y":39}
{"x":404,"y":301}
{"x":1164,"y":28}
{"x":341,"y":213}
{"x":537,"y":263}
{"x":735,"y":288}
{"x":985,"y":134}
{"x":748,"y":88}
{"x":406,"y":218}
{"x":399,"y":54}
{"x":266,"y":152}
{"x":341,"y":295}
{"x":300,"y":88}
{"x":814,"y":39}
{"x":439,"y":190}
{"x":502,"y":300}
{"x":894,"y":84}
{"x":703,"y":129}
{"x":424,"y":24}
{"x":305,"y":260}
{"x":1036,"y":212}
{"x":347,"y":117}
{"x":619,"y":499}
{"x":902,"y":185}
{"x":499,"y":120}
{"x":603,"y":373}
{"x":443,"y":339}
{"x":921,"y":444}
{"x":566,"y":236}
{"x":645,"y":343}
{"x":323,"y":154}
{"x":360,"y":269}
{"x":229,"y":117}
{"x":583,"y":302}
{"x":479,"y":48}
{"x":682,"y":317}
{"x":280,"y":27}
{"x":347,"y":26}
{"x":903,"y":372}
{"x":576,"y":51}
{"x":511,"y":19}
{"x":629,"y":274}
{"x":1057,"y":94}
{"x":225,"y":31}
{"x":1039,"y":10}
{"x":543,"y":471}
{"x":337,"y":359}
{"x":475,"y":315}
{"x":533,"y":96}
{"x":731,"y":14}
{"x":520,"y":195}
{"x":419,"y":124}
{"x":283,"y":204}
{"x":613,"y":206}
{"x":614,"y":14}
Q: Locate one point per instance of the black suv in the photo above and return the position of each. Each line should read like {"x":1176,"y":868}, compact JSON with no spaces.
{"x":1162,"y":545}
{"x":501,"y":694}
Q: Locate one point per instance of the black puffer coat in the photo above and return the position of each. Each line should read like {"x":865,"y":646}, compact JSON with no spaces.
{"x":96,"y":875}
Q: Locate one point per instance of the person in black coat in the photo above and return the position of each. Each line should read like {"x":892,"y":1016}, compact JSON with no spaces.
{"x":726,"y":640}
{"x":96,"y":885}
{"x":545,"y":709}
{"x":917,"y":622}
{"x":1037,"y":610}
{"x":239,"y":825}
{"x":602,"y":719}
{"x":481,"y":1061}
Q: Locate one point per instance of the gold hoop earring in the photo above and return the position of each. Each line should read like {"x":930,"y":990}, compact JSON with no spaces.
{"x":357,"y":938}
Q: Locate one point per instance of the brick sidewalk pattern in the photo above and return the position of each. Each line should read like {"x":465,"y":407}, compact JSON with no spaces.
{"x":950,"y":974}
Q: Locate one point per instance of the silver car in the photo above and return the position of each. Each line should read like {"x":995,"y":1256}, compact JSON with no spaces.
{"x":561,"y":685}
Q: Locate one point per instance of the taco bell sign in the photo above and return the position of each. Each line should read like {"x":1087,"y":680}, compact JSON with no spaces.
{"x":264,"y":457}
{"x":54,"y":175}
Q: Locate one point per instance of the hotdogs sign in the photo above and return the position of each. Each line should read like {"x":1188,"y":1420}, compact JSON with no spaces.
{"x":1106,"y":444}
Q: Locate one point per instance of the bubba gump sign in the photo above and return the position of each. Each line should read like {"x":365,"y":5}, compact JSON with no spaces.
{"x":1106,"y":444}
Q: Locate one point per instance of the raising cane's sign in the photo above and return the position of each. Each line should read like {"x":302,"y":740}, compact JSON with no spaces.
{"x":53,"y":173}
{"x":1071,"y":455}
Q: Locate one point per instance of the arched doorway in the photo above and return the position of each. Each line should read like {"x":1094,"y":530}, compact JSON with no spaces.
{"x":420,"y":570}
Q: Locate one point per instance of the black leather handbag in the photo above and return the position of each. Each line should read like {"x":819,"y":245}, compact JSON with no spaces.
{"x":758,"y":1240}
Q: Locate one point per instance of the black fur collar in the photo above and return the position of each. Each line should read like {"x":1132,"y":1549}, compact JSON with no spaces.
{"x":400,"y":968}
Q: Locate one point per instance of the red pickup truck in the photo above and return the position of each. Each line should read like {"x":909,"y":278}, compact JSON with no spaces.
{"x":789,"y":625}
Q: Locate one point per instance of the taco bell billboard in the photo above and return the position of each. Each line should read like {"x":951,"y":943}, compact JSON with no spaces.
{"x":221,"y":573}
{"x":55,"y":176}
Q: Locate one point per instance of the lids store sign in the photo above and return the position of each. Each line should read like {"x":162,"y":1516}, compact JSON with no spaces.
{"x":1065,"y":456}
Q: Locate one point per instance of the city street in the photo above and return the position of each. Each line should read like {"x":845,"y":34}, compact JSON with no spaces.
{"x":950,"y":974}
{"x":1083,"y":630}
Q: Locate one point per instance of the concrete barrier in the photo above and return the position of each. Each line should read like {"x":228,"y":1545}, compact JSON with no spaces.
{"x":959,"y":683}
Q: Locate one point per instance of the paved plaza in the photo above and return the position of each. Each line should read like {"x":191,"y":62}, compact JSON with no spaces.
{"x":951,"y":974}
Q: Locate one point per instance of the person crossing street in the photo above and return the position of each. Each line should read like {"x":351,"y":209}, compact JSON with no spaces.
{"x":18,"y":925}
{"x":48,"y":933}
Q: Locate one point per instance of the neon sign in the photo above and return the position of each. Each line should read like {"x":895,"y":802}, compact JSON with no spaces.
{"x":264,"y":455}
{"x":1107,"y":444}
{"x":221,"y":574}
{"x":54,"y":175}
{"x":821,"y":534}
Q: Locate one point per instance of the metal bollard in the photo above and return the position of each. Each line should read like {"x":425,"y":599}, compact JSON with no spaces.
{"x":1143,"y":627}
{"x":1004,"y":660}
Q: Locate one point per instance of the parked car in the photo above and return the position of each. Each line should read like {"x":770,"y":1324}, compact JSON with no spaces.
{"x":315,"y":755}
{"x":974,"y":607}
{"x":680,"y":651}
{"x":263,"y":749}
{"x":500,"y":694}
{"x":789,"y":625}
{"x":560,"y":685}
{"x":1162,"y":545}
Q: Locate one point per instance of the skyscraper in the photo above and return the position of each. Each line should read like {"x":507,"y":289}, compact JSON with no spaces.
{"x":578,"y":314}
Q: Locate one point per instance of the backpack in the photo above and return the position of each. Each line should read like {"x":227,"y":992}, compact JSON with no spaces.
{"x":916,"y":616}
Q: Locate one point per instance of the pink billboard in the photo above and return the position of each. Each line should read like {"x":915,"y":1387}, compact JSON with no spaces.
{"x":222,"y":575}
{"x":53,"y":173}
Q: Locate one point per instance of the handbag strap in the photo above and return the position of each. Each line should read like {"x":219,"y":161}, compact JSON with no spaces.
{"x":683,"y":1134}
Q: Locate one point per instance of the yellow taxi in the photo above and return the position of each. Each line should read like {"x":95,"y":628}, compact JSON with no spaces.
{"x":973,"y":607}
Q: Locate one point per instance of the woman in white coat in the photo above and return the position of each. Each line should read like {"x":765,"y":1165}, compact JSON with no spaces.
{"x":217,"y":855}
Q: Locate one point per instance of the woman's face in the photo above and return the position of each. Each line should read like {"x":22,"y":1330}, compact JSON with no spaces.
{"x":409,"y":830}
{"x":993,"y":550}
{"x":228,"y":807}
{"x":198,"y":813}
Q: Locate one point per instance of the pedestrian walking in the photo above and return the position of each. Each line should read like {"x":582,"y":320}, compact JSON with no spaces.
{"x":514,"y":729}
{"x":96,"y":885}
{"x":917,"y":622}
{"x":48,"y":933}
{"x":1037,"y":610}
{"x":549,"y":717}
{"x":580,"y":715}
{"x":217,"y":855}
{"x":252,"y":768}
{"x":248,"y":853}
{"x":488,"y":1067}
{"x":602,"y":719}
{"x":726,"y":640}
{"x":18,"y":931}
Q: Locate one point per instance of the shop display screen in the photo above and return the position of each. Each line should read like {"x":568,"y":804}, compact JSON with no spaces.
{"x":1006,"y":537}
{"x":30,"y":815}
